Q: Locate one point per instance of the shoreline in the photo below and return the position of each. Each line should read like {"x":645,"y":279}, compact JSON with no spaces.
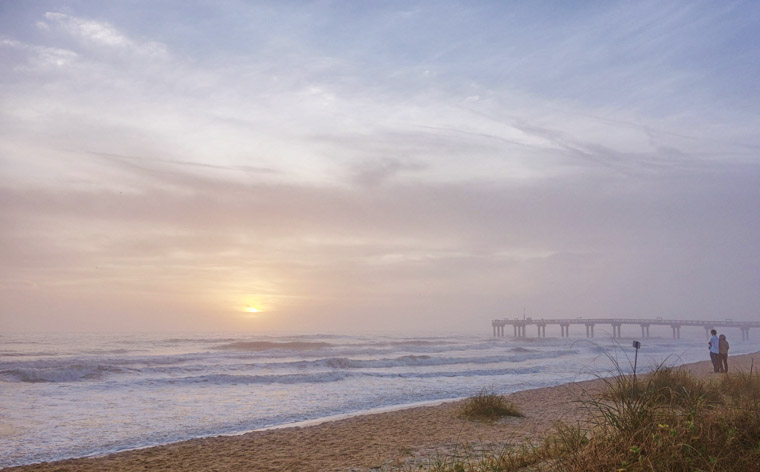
{"x":376,"y":439}
{"x":295,"y":424}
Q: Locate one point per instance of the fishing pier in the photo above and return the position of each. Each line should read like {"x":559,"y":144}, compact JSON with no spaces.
{"x":520,"y":326}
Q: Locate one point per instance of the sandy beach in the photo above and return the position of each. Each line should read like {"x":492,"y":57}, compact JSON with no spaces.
{"x":382,"y":441}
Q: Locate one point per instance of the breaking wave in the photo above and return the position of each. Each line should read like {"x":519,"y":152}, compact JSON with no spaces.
{"x":414,"y":361}
{"x":70,"y":373}
{"x":335,"y":376}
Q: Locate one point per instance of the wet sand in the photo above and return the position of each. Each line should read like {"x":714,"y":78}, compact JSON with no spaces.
{"x":381,"y":441}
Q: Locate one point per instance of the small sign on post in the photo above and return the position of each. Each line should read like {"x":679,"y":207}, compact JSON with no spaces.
{"x":636,"y":345}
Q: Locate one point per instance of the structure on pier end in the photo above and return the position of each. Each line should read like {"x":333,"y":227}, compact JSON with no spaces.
{"x":519,"y":326}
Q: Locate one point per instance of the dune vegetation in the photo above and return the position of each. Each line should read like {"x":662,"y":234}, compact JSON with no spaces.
{"x":668,"y":420}
{"x":488,"y":406}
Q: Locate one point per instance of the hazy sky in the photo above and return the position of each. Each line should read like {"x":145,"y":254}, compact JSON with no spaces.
{"x":356,"y":165}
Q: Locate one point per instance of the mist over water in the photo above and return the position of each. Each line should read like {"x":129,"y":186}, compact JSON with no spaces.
{"x":77,"y":395}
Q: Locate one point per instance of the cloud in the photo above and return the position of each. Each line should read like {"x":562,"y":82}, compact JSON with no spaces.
{"x":102,"y":36}
{"x":589,"y":243}
{"x":40,"y":57}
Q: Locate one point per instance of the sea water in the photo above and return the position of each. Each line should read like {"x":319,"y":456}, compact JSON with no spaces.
{"x":67,"y":396}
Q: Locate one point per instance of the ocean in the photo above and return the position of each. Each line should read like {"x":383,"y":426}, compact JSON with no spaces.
{"x":65,"y":396}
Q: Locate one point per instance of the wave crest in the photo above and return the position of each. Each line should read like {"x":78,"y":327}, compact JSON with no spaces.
{"x":269,"y":345}
{"x":335,"y":376}
{"x":70,"y":373}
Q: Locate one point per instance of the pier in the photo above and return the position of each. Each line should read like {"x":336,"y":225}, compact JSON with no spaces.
{"x":520,"y":326}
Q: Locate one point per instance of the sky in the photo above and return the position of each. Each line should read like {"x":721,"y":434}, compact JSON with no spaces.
{"x":357,"y":166}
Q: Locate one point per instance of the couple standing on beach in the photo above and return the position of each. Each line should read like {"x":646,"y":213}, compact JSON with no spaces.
{"x":718,"y":351}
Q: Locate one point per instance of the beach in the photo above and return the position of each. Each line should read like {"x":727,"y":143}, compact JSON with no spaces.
{"x":382,"y":441}
{"x":78,"y":395}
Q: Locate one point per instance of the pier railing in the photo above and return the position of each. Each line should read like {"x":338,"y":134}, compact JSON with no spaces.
{"x":519,"y":325}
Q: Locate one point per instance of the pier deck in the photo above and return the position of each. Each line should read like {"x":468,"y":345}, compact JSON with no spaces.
{"x":520,"y":325}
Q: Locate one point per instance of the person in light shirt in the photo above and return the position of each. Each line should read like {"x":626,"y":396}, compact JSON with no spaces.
{"x":714,"y":346}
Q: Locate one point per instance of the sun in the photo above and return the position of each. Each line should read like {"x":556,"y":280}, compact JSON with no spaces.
{"x":252,"y":309}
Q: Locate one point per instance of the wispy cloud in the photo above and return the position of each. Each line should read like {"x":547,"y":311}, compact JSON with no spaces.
{"x":101,"y":36}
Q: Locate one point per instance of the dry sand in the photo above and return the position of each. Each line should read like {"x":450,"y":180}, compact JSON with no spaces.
{"x":380,"y":441}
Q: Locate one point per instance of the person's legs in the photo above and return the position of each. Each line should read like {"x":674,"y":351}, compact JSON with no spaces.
{"x":724,"y":363}
{"x":715,"y":361}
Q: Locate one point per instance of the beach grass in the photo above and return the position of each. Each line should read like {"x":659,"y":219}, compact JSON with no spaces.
{"x":668,"y":420}
{"x":488,"y":406}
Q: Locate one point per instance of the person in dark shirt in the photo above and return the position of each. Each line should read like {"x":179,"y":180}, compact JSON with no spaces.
{"x":723,"y":353}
